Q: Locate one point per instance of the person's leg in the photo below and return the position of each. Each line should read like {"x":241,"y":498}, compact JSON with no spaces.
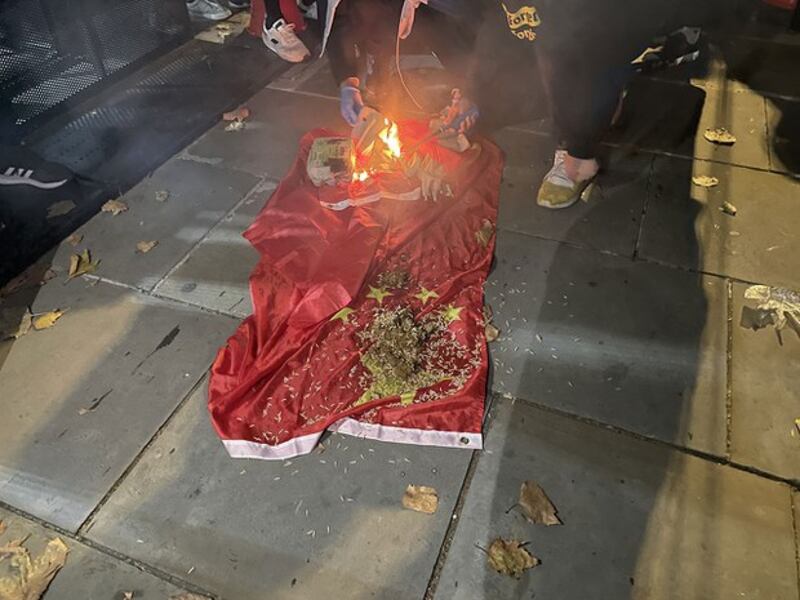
{"x":273,"y":13}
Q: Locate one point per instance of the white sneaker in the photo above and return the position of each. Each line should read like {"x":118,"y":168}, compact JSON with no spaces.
{"x":21,"y":176}
{"x":283,"y":41}
{"x":208,"y":9}
{"x":558,"y":190}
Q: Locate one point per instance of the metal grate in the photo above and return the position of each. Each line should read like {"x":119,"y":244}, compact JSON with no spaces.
{"x":51,"y":50}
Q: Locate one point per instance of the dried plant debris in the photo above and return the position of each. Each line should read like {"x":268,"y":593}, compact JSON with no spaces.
{"x":162,"y":196}
{"x":47,"y":320}
{"x":30,"y":578}
{"x":509,"y":557}
{"x":485,"y":233}
{"x":778,"y":307}
{"x":144,"y":247}
{"x":536,"y":506}
{"x":394,"y":279}
{"x":114,"y":207}
{"x":403,"y":354}
{"x":719,"y":135}
{"x":234,"y":126}
{"x":81,"y":264}
{"x":421,"y":498}
{"x":492,"y":333}
{"x":188,"y":596}
{"x":60,"y":209}
{"x":728,"y":209}
{"x":14,"y":324}
{"x":705,"y":181}
{"x":240,"y":114}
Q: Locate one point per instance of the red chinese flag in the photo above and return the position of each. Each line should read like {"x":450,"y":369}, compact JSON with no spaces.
{"x":302,"y":364}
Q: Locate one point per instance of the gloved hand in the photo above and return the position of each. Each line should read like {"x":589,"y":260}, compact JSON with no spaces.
{"x":461,"y":114}
{"x":350,"y":101}
{"x":407,"y":17}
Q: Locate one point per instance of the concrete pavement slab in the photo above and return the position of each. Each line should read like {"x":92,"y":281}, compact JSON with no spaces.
{"x":80,"y":400}
{"x":199,"y":196}
{"x":215,"y":274}
{"x":640,"y":521}
{"x":760,"y":243}
{"x":765,"y":379}
{"x":88,"y":574}
{"x":608,"y":221}
{"x":631,"y":344}
{"x":268,"y":144}
{"x":289,"y":529}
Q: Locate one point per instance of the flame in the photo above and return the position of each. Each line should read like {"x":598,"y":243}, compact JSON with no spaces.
{"x":360,"y":176}
{"x":390,"y":138}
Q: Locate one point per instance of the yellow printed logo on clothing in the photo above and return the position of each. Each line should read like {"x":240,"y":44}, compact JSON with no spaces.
{"x":522,"y":22}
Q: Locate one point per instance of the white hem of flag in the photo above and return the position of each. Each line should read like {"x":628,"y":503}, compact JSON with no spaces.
{"x":347,"y":426}
{"x":288,"y":449}
{"x":406,"y":435}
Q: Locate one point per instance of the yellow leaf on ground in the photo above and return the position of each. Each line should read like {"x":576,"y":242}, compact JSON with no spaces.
{"x":536,"y":506}
{"x":421,"y":499}
{"x":492,"y":333}
{"x":114,"y":207}
{"x":240,"y":114}
{"x":47,"y":320}
{"x":510,"y":558}
{"x":32,"y":577}
{"x":75,"y":239}
{"x":80,"y":264}
{"x":720,"y":135}
{"x":145,"y":247}
{"x":705,"y":181}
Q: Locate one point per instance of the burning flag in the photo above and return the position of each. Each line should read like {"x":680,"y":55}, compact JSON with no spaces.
{"x":367,"y":321}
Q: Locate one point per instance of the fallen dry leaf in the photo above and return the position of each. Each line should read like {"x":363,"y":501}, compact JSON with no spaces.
{"x":127,"y":595}
{"x":536,"y":506}
{"x":720,"y":135}
{"x":75,"y":239}
{"x":145,"y":247}
{"x":509,"y":557}
{"x":80,"y":264}
{"x":114,"y":207}
{"x":240,"y":114}
{"x":187,"y":596}
{"x":162,"y":196}
{"x":60,"y":209}
{"x":492,"y":333}
{"x":421,"y":499}
{"x":234,"y":126}
{"x":705,"y":181}
{"x":47,"y":320}
{"x":47,"y":276}
{"x":14,"y":325}
{"x":32,"y":577}
{"x":728,"y":209}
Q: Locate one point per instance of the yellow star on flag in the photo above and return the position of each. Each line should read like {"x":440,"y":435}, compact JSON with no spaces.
{"x":452,"y":313}
{"x":425,"y":294}
{"x":343,"y":315}
{"x":378,"y":294}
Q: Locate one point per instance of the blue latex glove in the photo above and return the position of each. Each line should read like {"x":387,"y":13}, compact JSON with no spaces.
{"x":350,"y":103}
{"x":461,"y":114}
